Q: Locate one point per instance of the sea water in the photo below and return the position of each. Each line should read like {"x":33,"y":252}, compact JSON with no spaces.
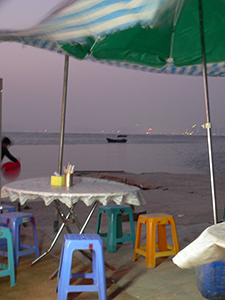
{"x":184,"y":154}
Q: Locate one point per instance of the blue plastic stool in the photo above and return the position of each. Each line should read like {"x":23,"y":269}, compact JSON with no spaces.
{"x":115,"y":233}
{"x":6,"y":208}
{"x":8,"y":270}
{"x":74,"y":242}
{"x":211,"y":280}
{"x":13,"y":220}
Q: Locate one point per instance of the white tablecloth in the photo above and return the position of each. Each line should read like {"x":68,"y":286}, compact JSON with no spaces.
{"x":85,"y":189}
{"x":207,"y":248}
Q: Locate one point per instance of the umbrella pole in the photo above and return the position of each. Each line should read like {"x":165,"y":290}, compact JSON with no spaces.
{"x":63,"y":115}
{"x":62,"y":130}
{"x":208,"y":122}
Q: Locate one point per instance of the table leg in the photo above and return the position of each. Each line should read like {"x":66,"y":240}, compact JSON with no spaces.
{"x":53,"y":242}
{"x":65,"y":224}
{"x":88,"y":217}
{"x":64,"y":219}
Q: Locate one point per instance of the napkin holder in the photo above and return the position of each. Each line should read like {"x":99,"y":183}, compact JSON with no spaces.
{"x":57,"y":180}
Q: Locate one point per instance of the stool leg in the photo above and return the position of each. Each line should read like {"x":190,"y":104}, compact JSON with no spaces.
{"x":112,"y":231}
{"x":35,"y":237}
{"x":94,"y":267}
{"x":138,"y":239}
{"x":132,"y":231}
{"x":60,"y":267}
{"x":15,"y":229}
{"x":119,"y":229}
{"x":150,"y":245}
{"x":65,"y":273}
{"x":174,"y":235}
{"x":162,"y":239}
{"x":11,"y":264}
{"x":100,"y":272}
{"x":97,"y":229}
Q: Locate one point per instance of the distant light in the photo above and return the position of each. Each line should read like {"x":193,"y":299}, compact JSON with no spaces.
{"x":137,"y":124}
{"x":193,"y":126}
{"x":149,"y":129}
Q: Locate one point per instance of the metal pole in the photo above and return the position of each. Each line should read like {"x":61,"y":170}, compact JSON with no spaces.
{"x":63,"y":114}
{"x":62,"y":130}
{"x":208,"y":122}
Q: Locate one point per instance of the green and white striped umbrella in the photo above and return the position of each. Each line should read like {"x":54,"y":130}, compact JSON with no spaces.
{"x":151,"y":35}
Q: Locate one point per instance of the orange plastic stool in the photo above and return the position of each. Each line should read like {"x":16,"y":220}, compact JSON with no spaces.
{"x":150,"y":249}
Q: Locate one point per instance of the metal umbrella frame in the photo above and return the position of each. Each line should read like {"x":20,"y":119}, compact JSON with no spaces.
{"x":207,"y":125}
{"x":208,"y":120}
{"x":102,"y":31}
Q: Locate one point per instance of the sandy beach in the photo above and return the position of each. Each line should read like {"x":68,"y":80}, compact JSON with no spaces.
{"x":187,"y":197}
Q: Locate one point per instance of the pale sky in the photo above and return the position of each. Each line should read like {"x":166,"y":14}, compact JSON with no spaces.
{"x":100,"y":97}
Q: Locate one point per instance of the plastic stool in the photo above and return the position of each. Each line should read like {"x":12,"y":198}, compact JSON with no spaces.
{"x":3,"y":210}
{"x":74,"y":242}
{"x":8,"y":270}
{"x":150,"y":249}
{"x":115,"y":233}
{"x":6,"y":208}
{"x":13,"y":220}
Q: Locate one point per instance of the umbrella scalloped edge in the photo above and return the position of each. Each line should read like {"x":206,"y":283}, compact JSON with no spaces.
{"x":213,"y":70}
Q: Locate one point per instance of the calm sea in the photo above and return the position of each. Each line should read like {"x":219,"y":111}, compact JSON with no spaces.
{"x":38,"y":153}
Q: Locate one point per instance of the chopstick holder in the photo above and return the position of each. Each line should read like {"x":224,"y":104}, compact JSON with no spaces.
{"x":68,"y":175}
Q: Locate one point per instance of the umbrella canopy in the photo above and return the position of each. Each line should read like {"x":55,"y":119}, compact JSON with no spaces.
{"x":164,"y":36}
{"x":154,"y":35}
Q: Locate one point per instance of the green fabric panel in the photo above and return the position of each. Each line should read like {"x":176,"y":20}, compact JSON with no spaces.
{"x":78,"y":50}
{"x":187,"y":41}
{"x":137,"y":45}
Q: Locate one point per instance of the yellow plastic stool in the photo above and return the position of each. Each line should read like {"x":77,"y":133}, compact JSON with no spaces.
{"x":150,"y":249}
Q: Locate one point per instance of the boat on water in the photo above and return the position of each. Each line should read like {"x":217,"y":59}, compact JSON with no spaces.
{"x":122,"y":135}
{"x":118,"y":139}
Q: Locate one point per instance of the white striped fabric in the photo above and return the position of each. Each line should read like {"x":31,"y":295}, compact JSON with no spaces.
{"x":79,"y":19}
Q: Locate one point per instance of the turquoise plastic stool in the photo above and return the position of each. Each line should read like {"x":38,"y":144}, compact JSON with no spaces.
{"x":115,"y":233}
{"x":4,"y":208}
{"x":8,"y":270}
{"x":74,"y":242}
{"x":13,"y":220}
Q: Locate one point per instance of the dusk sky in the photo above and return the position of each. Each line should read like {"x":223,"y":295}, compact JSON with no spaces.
{"x":100,"y":97}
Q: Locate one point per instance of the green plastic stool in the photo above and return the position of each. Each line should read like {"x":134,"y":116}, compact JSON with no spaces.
{"x":8,"y":270}
{"x":115,"y":234}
